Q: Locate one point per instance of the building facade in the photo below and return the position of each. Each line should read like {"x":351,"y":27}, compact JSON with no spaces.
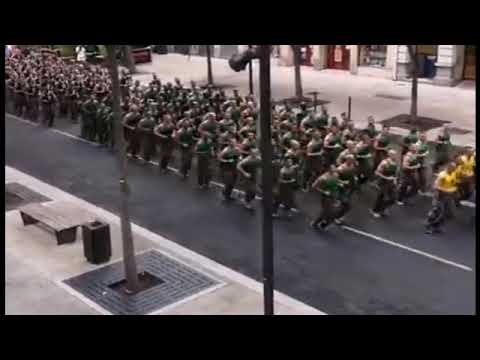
{"x":439,"y":64}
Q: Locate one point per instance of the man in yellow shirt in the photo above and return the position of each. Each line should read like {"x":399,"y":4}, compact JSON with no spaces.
{"x":466,"y":173}
{"x":445,"y":191}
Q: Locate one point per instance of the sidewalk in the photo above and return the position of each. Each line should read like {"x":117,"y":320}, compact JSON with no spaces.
{"x":455,"y":104}
{"x":36,"y":268}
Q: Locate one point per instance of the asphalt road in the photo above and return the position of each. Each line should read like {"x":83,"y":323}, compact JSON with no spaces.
{"x":386,"y":266}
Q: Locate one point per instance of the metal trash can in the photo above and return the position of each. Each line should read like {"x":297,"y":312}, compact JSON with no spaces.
{"x":97,"y":245}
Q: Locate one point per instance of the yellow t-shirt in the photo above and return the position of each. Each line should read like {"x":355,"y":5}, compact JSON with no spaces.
{"x":447,"y":182}
{"x":467,"y":166}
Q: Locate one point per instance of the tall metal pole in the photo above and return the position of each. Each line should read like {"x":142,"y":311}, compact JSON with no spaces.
{"x":349,"y":108}
{"x":209,"y":65}
{"x":250,"y":74}
{"x":267,"y":178}
{"x":129,"y":262}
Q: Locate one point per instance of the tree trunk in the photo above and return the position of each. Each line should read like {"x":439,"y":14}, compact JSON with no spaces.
{"x":129,"y":261}
{"x":414,"y":98}
{"x":129,"y":60}
{"x":209,"y":65}
{"x":298,"y":76}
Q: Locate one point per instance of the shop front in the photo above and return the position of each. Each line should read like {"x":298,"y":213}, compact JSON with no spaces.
{"x":338,"y":57}
{"x":374,"y":56}
{"x":469,"y":70}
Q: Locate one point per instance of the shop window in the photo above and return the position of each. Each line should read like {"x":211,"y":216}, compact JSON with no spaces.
{"x":373,"y":55}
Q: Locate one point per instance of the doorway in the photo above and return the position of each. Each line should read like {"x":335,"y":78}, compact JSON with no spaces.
{"x":470,"y":62}
{"x":338,"y":57}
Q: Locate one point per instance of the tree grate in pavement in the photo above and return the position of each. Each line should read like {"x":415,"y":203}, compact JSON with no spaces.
{"x":422,"y":123}
{"x":176,"y":282}
{"x":17,"y":195}
{"x":295,"y":101}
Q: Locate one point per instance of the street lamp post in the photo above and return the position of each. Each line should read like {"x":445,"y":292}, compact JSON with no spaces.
{"x":239,"y":62}
{"x":209,"y":65}
{"x":250,"y":74}
{"x":267,"y":178}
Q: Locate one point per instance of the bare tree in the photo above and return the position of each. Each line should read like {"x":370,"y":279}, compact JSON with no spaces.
{"x":414,"y":72}
{"x":297,"y":59}
{"x":129,"y":261}
{"x":130,"y":61}
{"x":209,"y":64}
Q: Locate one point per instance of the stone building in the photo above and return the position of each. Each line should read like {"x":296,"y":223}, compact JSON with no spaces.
{"x":439,"y":64}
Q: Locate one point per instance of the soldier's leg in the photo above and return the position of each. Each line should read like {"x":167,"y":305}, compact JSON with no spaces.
{"x":422,"y":180}
{"x":250,"y":192}
{"x":83,"y":126}
{"x":307,"y":173}
{"x":227,"y":188}
{"x":202,"y":163}
{"x":441,"y":158}
{"x":51,"y":115}
{"x":380,"y":200}
{"x":164,"y":156}
{"x":185,"y":161}
{"x":404,"y":183}
{"x":94,"y":129}
{"x":134,"y":143}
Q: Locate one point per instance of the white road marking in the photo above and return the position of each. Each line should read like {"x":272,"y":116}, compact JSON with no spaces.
{"x":408,"y":248}
{"x":76,"y":137}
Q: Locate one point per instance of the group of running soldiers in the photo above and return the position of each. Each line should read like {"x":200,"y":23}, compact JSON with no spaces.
{"x":311,"y":151}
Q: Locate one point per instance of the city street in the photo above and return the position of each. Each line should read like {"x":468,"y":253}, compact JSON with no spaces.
{"x":380,"y":97}
{"x":371,"y":266}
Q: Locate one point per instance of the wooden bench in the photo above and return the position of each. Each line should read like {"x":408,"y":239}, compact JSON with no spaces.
{"x":62,"y":217}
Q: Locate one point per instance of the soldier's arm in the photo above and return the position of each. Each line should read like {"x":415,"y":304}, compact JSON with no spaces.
{"x":241,"y":169}
{"x":221,"y":156}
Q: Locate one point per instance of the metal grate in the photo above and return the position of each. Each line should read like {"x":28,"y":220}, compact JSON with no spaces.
{"x":17,"y":195}
{"x":178,"y":282}
{"x":402,"y":121}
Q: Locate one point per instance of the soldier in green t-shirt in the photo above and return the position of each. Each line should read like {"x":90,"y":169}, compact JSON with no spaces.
{"x":387,"y":172}
{"x":248,"y":168}
{"x":228,"y":159}
{"x":422,"y":154}
{"x":204,"y":151}
{"x":329,"y":187}
{"x":409,"y":140}
{"x":185,"y":142}
{"x":442,"y":149}
{"x":380,"y":145}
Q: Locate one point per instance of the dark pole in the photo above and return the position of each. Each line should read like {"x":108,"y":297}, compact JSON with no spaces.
{"x":267,"y":177}
{"x":209,"y":65}
{"x":129,"y":261}
{"x":349,"y":108}
{"x":250,"y":74}
{"x":315,"y":97}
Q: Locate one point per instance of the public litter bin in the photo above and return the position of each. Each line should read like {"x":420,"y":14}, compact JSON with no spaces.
{"x":97,"y":245}
{"x":430,"y":69}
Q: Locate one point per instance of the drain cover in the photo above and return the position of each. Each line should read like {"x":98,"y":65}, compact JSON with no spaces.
{"x":175,"y":282}
{"x":17,"y":195}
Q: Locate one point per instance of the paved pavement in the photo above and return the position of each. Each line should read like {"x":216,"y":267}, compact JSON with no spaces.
{"x":372,"y":267}
{"x":456,"y":104}
{"x":36,"y":268}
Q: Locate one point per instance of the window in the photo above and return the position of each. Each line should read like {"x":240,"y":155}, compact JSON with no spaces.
{"x":373,"y":55}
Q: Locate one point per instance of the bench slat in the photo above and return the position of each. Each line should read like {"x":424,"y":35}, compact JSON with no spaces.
{"x":59,"y":215}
